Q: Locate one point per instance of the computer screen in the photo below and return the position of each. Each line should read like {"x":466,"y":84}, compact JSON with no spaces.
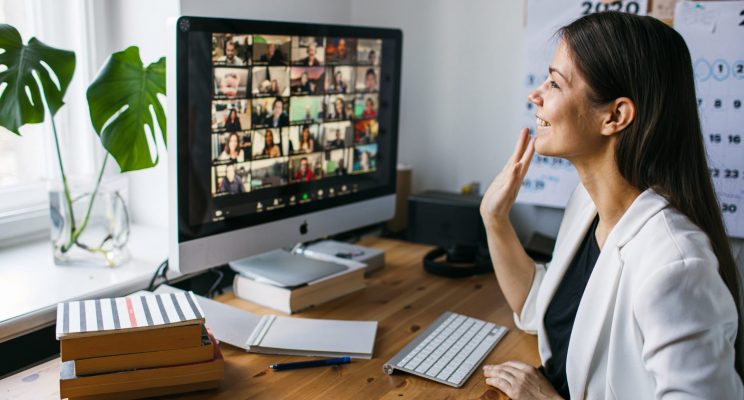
{"x":276,"y":120}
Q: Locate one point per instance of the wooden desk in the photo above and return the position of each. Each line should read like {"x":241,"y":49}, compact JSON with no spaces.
{"x":401,"y":296}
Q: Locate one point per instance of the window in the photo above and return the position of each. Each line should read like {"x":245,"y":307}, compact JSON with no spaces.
{"x":28,"y":163}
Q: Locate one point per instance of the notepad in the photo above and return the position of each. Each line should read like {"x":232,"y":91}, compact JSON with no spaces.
{"x":271,"y":334}
{"x":313,"y":337}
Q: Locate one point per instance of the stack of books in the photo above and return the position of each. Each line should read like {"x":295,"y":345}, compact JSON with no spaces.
{"x":136,"y":347}
{"x":293,"y":299}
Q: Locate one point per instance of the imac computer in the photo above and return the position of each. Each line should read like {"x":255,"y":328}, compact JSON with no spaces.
{"x":278,"y":133}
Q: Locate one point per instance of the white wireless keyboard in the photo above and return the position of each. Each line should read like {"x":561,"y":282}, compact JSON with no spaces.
{"x":449,"y":350}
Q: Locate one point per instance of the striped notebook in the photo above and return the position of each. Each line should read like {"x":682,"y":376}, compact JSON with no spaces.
{"x":103,"y":316}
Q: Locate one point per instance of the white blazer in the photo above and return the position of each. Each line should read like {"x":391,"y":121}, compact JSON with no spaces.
{"x":655,"y":320}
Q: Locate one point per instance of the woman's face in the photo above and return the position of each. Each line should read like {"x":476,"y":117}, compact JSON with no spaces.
{"x":305,"y":135}
{"x":233,"y":115}
{"x":568,"y":125}
{"x":339,"y":106}
{"x":269,"y":139}
{"x":232,"y":143}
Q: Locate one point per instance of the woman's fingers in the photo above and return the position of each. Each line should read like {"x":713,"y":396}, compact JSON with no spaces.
{"x":526,"y":159}
{"x":520,"y":365}
{"x":520,"y":145}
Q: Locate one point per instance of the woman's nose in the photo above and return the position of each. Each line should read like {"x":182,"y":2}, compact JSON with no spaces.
{"x":535,"y":98}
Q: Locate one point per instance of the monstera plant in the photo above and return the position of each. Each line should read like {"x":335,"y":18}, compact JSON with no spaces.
{"x":122,"y":100}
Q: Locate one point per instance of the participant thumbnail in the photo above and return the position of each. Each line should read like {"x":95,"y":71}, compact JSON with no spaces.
{"x":367,"y":79}
{"x":339,"y":107}
{"x":306,"y":167}
{"x":337,"y":162}
{"x":303,"y":139}
{"x":306,"y":110}
{"x":270,"y":81}
{"x":231,"y":115}
{"x":231,"y":178}
{"x":339,"y":79}
{"x":270,"y":112}
{"x":230,"y":83}
{"x":229,"y":49}
{"x":336,"y":135}
{"x":308,"y":51}
{"x":268,"y":173}
{"x":231,"y":147}
{"x":368,"y":51}
{"x":340,"y":51}
{"x":365,"y":106}
{"x":267,"y":143}
{"x":307,"y":80}
{"x":365,"y":158}
{"x":365,"y":131}
{"x":271,"y":50}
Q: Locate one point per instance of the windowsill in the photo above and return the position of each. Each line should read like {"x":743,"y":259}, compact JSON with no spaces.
{"x":31,"y":284}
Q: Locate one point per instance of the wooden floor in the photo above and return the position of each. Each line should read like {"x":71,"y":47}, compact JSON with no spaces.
{"x":401,"y":297}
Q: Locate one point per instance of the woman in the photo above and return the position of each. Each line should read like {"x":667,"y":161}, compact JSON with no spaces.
{"x":232,"y":150}
{"x":271,"y":149}
{"x":232,"y":123}
{"x":339,"y":84}
{"x":339,"y":109}
{"x":369,"y":110}
{"x":274,"y":91}
{"x":307,"y":143}
{"x":639,"y":299}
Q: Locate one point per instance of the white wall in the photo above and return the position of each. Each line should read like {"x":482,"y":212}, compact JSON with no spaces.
{"x":459,"y":92}
{"x":317,"y":11}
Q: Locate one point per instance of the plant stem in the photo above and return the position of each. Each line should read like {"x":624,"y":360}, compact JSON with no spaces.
{"x":77,"y":232}
{"x":65,"y":185}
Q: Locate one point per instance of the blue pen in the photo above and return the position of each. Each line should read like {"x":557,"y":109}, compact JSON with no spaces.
{"x":307,"y":364}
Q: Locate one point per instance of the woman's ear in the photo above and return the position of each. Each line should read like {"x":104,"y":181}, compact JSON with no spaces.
{"x":619,"y":114}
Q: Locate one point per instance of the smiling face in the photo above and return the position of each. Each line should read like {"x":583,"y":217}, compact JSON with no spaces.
{"x":232,"y":144}
{"x":568,"y":125}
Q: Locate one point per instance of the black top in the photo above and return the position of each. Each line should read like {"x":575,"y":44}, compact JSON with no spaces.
{"x":561,"y":313}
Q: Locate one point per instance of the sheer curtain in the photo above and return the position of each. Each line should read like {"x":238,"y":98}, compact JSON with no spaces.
{"x":28,"y":163}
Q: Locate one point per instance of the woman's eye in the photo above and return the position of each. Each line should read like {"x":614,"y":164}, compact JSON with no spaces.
{"x":554,"y":85}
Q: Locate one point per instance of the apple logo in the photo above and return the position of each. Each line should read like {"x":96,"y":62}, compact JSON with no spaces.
{"x":303,"y":228}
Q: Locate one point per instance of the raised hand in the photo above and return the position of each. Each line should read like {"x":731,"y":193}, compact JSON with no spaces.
{"x":502,"y":193}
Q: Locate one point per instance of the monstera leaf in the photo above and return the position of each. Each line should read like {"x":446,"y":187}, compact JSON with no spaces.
{"x":120,"y":100}
{"x":20,"y":93}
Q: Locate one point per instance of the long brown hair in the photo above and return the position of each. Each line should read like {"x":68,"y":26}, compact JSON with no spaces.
{"x":623,"y":55}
